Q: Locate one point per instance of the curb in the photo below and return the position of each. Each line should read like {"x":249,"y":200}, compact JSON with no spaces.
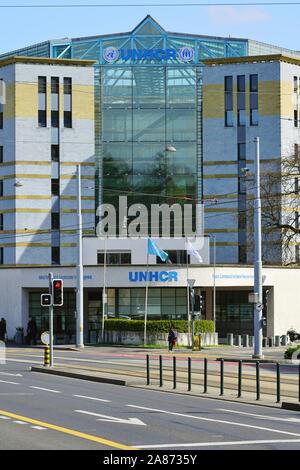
{"x":253,"y":361}
{"x":75,"y":375}
{"x":285,"y":405}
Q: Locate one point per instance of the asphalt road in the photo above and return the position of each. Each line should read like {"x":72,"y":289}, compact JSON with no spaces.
{"x":39,"y":411}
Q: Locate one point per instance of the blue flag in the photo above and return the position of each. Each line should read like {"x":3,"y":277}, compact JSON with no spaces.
{"x":153,"y":249}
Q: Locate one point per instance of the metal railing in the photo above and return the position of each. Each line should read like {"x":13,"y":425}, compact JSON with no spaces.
{"x":188,"y":370}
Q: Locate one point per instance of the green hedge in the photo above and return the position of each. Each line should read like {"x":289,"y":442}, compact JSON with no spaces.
{"x":290,"y":351}
{"x":158,"y":326}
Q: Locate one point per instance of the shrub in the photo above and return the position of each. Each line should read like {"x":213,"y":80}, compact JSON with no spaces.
{"x":158,"y":326}
{"x":290,"y":351}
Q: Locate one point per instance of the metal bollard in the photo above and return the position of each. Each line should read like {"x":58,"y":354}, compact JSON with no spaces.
{"x":246,"y":341}
{"x":148,"y":369}
{"x":251,"y":341}
{"x":47,"y":356}
{"x":189,"y":374}
{"x":240,"y":379}
{"x":230,"y":339}
{"x":205,"y":375}
{"x":174,"y":372}
{"x":222,"y":377}
{"x":238,"y":340}
{"x":285,"y":340}
{"x":271,"y":342}
{"x":160,"y":371}
{"x":278,"y":381}
{"x":257,"y":380}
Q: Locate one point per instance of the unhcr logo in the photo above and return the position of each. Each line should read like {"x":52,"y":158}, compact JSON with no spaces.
{"x":186,"y":54}
{"x":153,"y":276}
{"x":112,"y":54}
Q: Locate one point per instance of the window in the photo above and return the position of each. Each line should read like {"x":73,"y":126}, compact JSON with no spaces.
{"x":1,"y":119}
{"x":228,"y":83}
{"x":54,"y":85}
{"x":68,"y":119}
{"x":54,"y":119}
{"x":42,"y":85}
{"x":175,"y":256}
{"x":55,"y":187}
{"x":241,"y":83}
{"x":42,"y":117}
{"x":253,"y":117}
{"x":67,"y":86}
{"x":242,"y":151}
{"x":1,"y":222}
{"x":1,"y":255}
{"x":55,"y":153}
{"x":296,"y":219}
{"x":297,"y":253}
{"x":55,"y":221}
{"x":254,"y":82}
{"x":295,"y":84}
{"x":1,"y":188}
{"x":296,"y":185}
{"x":228,"y":118}
{"x":114,"y":258}
{"x":295,"y":118}
{"x":1,"y":154}
{"x":55,"y":255}
{"x":241,"y":117}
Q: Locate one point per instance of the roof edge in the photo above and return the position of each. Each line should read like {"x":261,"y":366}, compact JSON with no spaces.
{"x":252,"y":59}
{"x":45,"y":60}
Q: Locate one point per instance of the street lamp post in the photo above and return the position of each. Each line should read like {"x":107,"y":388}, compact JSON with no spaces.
{"x":258,"y":306}
{"x":79,"y":292}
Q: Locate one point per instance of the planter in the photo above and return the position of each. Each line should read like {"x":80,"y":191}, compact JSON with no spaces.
{"x":136,"y":338}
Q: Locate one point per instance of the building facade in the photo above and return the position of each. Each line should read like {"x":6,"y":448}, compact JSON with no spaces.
{"x":117,"y":104}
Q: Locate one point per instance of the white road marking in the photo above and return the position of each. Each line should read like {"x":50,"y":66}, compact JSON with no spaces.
{"x":217,"y":444}
{"x":212,"y":420}
{"x":92,"y":398}
{"x":272,"y":418}
{"x":11,"y":383}
{"x":113,"y":419}
{"x":45,"y":389}
{"x":39,"y":428}
{"x":19,"y":422}
{"x":13,"y":375}
{"x":4,"y":417}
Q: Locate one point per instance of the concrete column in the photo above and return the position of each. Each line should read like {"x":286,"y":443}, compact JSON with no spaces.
{"x":285,"y":340}
{"x":251,"y":341}
{"x":238,"y":340}
{"x":277,"y":341}
{"x":230,"y":339}
{"x":246,"y":341}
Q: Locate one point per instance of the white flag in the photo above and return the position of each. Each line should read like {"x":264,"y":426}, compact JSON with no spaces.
{"x":192,"y":252}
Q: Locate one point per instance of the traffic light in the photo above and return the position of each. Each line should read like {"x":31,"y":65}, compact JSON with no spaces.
{"x":57,"y":292}
{"x":46,"y":300}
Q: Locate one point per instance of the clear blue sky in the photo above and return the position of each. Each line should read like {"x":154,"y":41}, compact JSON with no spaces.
{"x":277,"y":25}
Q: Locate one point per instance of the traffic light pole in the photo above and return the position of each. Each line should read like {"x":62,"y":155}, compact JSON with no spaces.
{"x":193,"y":316}
{"x":79,"y":294}
{"x":51,"y":319}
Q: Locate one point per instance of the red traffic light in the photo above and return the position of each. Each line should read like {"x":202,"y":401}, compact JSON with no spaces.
{"x":57,"y":291}
{"x":57,"y":285}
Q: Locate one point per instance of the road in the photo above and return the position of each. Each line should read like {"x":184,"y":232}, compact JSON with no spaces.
{"x":48,"y":412}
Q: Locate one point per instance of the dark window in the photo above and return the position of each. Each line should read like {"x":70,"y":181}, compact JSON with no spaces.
{"x":55,"y":220}
{"x":175,"y":256}
{"x":1,"y":255}
{"x":242,"y":254}
{"x":295,"y":118}
{"x":241,"y":83}
{"x":55,"y":258}
{"x":55,"y":187}
{"x":1,"y":154}
{"x":1,"y":188}
{"x":68,"y":119}
{"x":42,"y":84}
{"x":254,"y":82}
{"x":297,"y":253}
{"x":228,"y":83}
{"x":1,"y":221}
{"x":1,"y":119}
{"x":296,"y":185}
{"x":295,"y":84}
{"x":54,"y":118}
{"x":55,"y":85}
{"x":67,"y":86}
{"x":228,"y":118}
{"x":296,"y":219}
{"x":242,"y":151}
{"x":42,"y":118}
{"x":114,"y":258}
{"x":55,"y":153}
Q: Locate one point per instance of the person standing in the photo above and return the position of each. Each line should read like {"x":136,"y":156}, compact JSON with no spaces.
{"x":172,"y":337}
{"x":31,"y":331}
{"x":3,"y":331}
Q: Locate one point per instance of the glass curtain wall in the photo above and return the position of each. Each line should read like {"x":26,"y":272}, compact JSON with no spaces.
{"x":145,"y":109}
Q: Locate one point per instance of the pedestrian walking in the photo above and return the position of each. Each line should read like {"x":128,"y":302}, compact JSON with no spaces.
{"x":3,"y":332}
{"x":172,"y":338}
{"x":31,"y":331}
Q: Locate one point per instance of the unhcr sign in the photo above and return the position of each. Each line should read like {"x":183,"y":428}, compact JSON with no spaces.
{"x":112,"y":54}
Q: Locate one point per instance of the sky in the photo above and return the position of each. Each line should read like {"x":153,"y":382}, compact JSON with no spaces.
{"x":19,"y":27}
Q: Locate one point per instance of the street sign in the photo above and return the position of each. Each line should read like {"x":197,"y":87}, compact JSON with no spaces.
{"x":191,"y":282}
{"x":46,"y":300}
{"x":259,"y":307}
{"x":45,"y":338}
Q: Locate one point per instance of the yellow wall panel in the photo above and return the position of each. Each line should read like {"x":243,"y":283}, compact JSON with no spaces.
{"x":26,"y":100}
{"x":9,"y":107}
{"x":269,"y":98}
{"x":213,"y":101}
{"x":83,"y":102}
{"x":287,"y":99}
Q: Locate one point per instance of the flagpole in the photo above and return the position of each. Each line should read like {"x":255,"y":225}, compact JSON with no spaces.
{"x":104,"y":291}
{"x":146,"y":299}
{"x":188,"y":293}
